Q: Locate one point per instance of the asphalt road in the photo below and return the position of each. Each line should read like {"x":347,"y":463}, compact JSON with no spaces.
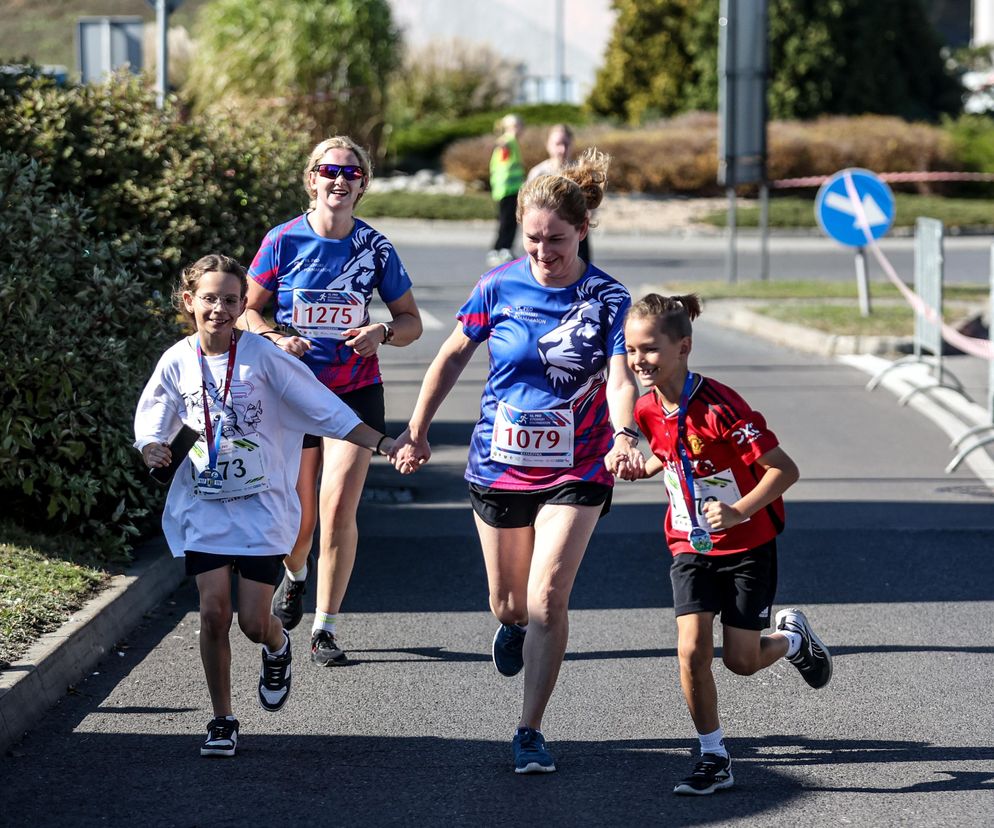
{"x":889,"y":557}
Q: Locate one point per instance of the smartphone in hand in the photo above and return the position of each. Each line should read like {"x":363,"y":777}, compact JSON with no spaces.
{"x":179,"y":447}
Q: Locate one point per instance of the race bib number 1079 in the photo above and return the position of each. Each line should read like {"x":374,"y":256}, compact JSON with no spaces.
{"x":532,"y":438}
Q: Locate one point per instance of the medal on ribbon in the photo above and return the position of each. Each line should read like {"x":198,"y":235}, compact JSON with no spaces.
{"x":699,"y":537}
{"x":210,"y":480}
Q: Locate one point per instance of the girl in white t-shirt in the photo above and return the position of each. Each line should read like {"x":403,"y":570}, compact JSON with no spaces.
{"x":232,"y":503}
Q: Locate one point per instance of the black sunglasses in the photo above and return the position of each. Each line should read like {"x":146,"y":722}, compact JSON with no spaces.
{"x":350,"y":172}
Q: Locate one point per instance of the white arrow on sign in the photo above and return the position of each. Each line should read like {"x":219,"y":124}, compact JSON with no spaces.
{"x":874,"y":215}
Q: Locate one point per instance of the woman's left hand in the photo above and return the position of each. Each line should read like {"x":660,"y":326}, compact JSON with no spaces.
{"x":366,"y":340}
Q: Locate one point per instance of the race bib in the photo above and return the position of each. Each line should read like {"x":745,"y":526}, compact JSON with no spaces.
{"x":327,"y":314}
{"x":239,"y":469}
{"x":720,"y":486}
{"x":532,"y":438}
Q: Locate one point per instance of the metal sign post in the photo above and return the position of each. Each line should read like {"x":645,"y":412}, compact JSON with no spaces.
{"x":163,"y":8}
{"x":742,"y":111}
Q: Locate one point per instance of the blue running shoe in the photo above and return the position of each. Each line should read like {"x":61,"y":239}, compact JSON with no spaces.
{"x":530,"y":755}
{"x":508,"y":643}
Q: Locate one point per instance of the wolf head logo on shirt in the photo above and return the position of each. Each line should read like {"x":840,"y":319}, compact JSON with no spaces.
{"x":576,"y":348}
{"x":359,"y":272}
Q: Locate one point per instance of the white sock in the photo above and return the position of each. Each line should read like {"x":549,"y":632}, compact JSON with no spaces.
{"x":281,"y":650}
{"x":324,"y":621}
{"x":713,"y":742}
{"x":794,"y":642}
{"x":299,"y":574}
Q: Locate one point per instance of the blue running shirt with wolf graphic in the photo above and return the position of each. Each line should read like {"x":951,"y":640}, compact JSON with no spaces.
{"x":546,"y":389}
{"x":324,"y":286}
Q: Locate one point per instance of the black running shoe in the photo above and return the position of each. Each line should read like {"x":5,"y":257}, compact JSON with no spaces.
{"x":711,"y":773}
{"x":325,"y":650}
{"x":813,"y":660}
{"x":288,"y":601}
{"x":509,"y":641}
{"x":274,"y":678}
{"x":222,"y":737}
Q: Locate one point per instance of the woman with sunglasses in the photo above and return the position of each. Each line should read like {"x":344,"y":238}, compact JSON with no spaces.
{"x":323,"y":267}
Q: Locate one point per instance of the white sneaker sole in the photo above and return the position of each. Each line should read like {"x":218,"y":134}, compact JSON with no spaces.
{"x":686,"y":790}
{"x":535,"y":767}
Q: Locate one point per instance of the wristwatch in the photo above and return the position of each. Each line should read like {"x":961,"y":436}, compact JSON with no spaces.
{"x":631,"y":433}
{"x":387,"y":332}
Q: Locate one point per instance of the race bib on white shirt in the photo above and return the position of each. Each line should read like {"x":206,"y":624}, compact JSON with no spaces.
{"x":327,"y":314}
{"x":532,"y":438}
{"x":720,"y":486}
{"x":239,"y":463}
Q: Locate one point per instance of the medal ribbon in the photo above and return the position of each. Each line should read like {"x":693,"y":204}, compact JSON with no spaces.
{"x":686,"y":468}
{"x":214,"y":439}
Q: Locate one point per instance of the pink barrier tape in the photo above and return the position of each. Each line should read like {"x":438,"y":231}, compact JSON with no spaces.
{"x":967,"y":344}
{"x":891,"y":178}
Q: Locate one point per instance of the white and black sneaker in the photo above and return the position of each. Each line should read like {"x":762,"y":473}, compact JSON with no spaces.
{"x":813,"y":660}
{"x":274,"y":678}
{"x":711,"y":773}
{"x":222,"y":737}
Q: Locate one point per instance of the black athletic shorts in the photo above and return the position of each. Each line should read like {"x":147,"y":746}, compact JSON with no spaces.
{"x":739,"y":587}
{"x":367,"y":402}
{"x":504,"y":509}
{"x":266,"y":569}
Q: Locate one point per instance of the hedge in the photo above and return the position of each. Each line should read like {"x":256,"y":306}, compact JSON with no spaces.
{"x":680,"y":155}
{"x":82,"y":333}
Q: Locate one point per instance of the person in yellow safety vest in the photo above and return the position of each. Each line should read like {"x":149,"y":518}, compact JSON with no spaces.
{"x":507,"y":174}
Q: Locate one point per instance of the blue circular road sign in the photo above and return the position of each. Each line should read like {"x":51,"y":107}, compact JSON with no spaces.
{"x":849,"y":197}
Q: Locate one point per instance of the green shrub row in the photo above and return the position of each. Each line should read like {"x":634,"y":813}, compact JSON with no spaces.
{"x":191,"y":186}
{"x":83,"y":330}
{"x":104,"y":198}
{"x":414,"y":145}
{"x":681,"y":155}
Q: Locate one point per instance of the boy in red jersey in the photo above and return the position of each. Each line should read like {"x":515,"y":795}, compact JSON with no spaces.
{"x":725,"y":474}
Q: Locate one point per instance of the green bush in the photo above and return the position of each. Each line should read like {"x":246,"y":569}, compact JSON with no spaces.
{"x":973,"y":140}
{"x":190,"y":186}
{"x":422,"y":142}
{"x":83,"y":329}
{"x":426,"y":206}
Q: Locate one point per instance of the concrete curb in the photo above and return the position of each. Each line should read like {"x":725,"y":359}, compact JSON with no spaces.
{"x":33,"y":684}
{"x":733,"y":315}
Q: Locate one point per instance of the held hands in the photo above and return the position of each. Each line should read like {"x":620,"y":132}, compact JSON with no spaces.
{"x":157,"y":455}
{"x":624,"y":460}
{"x":721,"y":516}
{"x":408,"y":454}
{"x":365,"y":341}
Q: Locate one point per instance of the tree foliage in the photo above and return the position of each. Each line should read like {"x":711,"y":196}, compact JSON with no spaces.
{"x":826,"y":57}
{"x":327,"y":59}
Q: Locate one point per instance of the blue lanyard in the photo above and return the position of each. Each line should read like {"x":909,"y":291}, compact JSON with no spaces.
{"x":686,"y":468}
{"x":212,"y":431}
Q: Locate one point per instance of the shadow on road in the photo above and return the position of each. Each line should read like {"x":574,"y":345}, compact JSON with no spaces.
{"x":371,"y":780}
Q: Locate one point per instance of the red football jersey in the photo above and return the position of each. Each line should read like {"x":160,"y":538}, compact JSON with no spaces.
{"x":724,"y":439}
